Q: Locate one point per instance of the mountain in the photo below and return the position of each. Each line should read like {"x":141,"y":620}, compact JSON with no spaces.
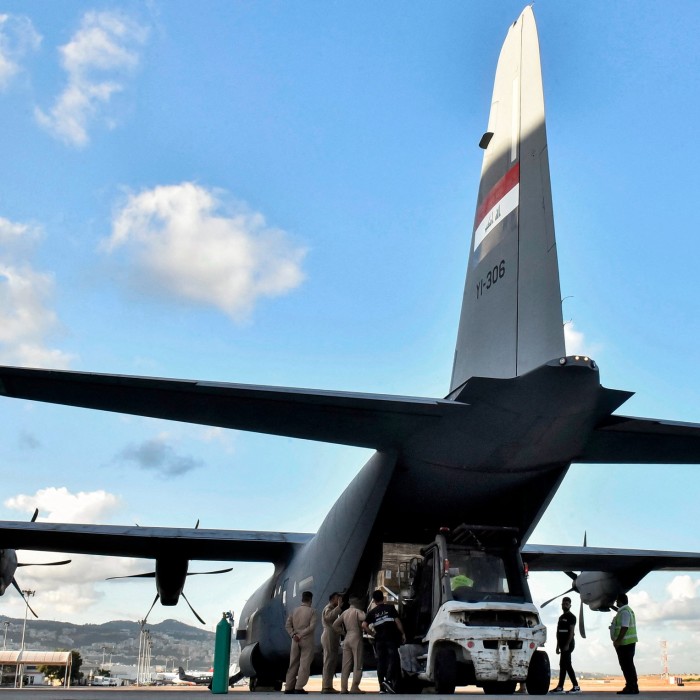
{"x":174,"y":642}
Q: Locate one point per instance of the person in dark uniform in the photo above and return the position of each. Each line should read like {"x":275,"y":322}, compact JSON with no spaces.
{"x":388,"y":636}
{"x":566,"y":627}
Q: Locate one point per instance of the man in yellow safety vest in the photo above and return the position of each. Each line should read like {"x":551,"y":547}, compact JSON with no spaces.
{"x":623,"y":632}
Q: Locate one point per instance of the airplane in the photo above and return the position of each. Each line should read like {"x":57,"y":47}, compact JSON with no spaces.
{"x":166,"y":678}
{"x":203,"y":678}
{"x":182,"y":678}
{"x":493,"y":451}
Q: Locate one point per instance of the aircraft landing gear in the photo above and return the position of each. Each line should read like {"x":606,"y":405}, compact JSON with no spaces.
{"x":263,"y":685}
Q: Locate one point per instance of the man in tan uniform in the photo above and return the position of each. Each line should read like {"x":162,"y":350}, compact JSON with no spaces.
{"x":330,"y":641}
{"x":300,"y":626}
{"x":351,"y":620}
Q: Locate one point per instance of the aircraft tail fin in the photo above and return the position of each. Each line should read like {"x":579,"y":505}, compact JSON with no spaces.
{"x":511,"y":318}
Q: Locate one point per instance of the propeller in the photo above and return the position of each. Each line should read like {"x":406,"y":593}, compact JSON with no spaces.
{"x":44,"y":563}
{"x":26,"y":602}
{"x":152,"y":574}
{"x":155,"y":600}
{"x":194,"y":612}
{"x":17,"y":564}
{"x":573,"y":576}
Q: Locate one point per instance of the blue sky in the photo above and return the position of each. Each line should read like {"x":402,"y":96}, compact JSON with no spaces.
{"x":282,"y":193}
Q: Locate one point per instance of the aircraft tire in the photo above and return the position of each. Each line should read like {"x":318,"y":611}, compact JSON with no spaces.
{"x":265,"y":685}
{"x":445,"y":671}
{"x":499,"y":687}
{"x":538,"y":675}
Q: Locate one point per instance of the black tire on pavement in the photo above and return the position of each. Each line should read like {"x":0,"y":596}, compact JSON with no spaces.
{"x":445,"y":671}
{"x":538,"y":675}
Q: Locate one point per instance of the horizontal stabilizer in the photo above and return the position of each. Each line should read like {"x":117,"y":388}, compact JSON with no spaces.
{"x":153,"y":542}
{"x":556,"y":558}
{"x":361,"y":420}
{"x":625,"y":440}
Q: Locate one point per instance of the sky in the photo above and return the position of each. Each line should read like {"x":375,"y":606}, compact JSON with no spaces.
{"x":282,"y":194}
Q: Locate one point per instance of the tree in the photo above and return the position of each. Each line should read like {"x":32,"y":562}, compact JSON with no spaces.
{"x":59,"y":672}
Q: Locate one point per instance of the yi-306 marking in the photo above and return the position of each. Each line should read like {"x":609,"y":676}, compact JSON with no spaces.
{"x":493,"y":275}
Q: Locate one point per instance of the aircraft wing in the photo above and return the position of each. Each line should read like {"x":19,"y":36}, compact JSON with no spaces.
{"x":360,"y":420}
{"x":626,"y":440}
{"x":556,"y":558}
{"x":153,"y":542}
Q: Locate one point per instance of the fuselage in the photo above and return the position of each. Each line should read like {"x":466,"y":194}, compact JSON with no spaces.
{"x":497,"y":458}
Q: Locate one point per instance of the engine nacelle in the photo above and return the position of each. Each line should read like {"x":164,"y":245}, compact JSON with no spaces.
{"x":599,"y":589}
{"x":8,"y":566}
{"x":170,"y":579}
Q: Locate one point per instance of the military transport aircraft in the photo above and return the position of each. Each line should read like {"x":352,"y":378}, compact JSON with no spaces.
{"x":493,"y":451}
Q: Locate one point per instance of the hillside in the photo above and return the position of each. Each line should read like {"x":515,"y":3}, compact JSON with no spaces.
{"x":173,"y":641}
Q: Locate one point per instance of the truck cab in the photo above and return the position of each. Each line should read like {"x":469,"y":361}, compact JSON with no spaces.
{"x":469,"y":617}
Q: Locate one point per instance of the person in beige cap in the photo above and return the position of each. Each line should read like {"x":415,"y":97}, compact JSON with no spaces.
{"x":300,"y":626}
{"x":330,"y":641}
{"x":350,"y":624}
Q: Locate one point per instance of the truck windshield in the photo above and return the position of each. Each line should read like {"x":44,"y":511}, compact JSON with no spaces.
{"x":477,"y":575}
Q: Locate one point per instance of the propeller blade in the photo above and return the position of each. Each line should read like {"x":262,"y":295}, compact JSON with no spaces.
{"x":547,"y":602}
{"x":584,"y":539}
{"x":152,"y":574}
{"x":155,"y":600}
{"x":198,"y":573}
{"x":26,"y":602}
{"x":581,"y":626}
{"x":196,"y":525}
{"x":194,"y":612}
{"x":571,"y":575}
{"x":45,"y":563}
{"x":35,"y":516}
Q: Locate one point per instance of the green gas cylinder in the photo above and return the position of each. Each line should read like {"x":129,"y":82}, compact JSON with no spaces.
{"x":222,"y":657}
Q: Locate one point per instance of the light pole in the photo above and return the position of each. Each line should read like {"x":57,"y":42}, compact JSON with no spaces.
{"x":20,"y":667}
{"x":4,"y":646}
{"x":138,"y":662}
{"x":144,"y":655}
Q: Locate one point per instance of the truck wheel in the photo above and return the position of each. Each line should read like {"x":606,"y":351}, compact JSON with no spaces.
{"x":445,"y":671}
{"x":499,"y":687}
{"x":538,"y":675}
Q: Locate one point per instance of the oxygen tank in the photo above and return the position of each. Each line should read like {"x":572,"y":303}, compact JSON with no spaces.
{"x":222,"y":656}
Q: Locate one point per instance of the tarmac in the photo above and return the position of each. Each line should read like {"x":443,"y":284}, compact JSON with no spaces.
{"x":650,"y":689}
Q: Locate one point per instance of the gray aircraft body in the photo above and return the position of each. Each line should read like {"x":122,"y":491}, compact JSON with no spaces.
{"x":493,"y":451}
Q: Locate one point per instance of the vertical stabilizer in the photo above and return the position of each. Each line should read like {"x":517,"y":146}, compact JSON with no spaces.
{"x":511,"y":312}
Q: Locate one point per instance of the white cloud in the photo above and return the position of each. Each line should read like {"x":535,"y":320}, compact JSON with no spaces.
{"x":98,"y":59}
{"x":58,"y":505}
{"x":26,"y":318}
{"x":17,"y":38}
{"x":574,"y":340}
{"x":179,"y":244}
{"x":17,"y":239}
{"x":681,"y":608}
